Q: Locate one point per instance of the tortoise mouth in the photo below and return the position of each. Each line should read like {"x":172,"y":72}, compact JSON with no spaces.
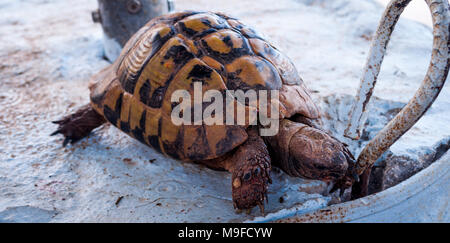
{"x":328,"y":175}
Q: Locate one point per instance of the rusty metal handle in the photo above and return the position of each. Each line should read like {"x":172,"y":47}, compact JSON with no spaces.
{"x":424,"y":96}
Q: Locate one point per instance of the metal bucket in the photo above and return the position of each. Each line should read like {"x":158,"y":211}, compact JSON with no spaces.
{"x":422,"y":198}
{"x":120,"y":19}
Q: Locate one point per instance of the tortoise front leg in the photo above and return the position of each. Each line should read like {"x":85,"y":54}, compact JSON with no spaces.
{"x":79,"y":124}
{"x":304,"y":151}
{"x":250,"y":167}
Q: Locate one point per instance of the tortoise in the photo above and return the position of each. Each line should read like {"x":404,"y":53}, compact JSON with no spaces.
{"x":172,"y":52}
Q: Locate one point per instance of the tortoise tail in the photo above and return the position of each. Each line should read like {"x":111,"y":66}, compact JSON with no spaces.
{"x":79,"y":124}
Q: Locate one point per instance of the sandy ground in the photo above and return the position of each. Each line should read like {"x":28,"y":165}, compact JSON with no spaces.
{"x":49,"y":49}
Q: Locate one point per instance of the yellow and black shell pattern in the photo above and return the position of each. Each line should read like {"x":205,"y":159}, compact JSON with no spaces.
{"x":171,"y":53}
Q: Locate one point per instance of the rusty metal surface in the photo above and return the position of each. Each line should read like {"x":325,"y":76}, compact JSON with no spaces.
{"x":422,"y":198}
{"x":423,"y":98}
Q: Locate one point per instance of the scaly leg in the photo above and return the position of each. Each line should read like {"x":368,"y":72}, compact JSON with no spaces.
{"x":250,"y":167}
{"x":79,"y":124}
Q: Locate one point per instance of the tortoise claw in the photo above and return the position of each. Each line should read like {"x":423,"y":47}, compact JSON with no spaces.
{"x":341,"y":186}
{"x":341,"y":191}
{"x":344,"y":183}
{"x":55,"y":132}
{"x":66,"y":141}
{"x":58,"y":122}
{"x":261,"y":208}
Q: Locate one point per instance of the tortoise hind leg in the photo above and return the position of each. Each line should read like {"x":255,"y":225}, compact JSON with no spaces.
{"x":79,"y":124}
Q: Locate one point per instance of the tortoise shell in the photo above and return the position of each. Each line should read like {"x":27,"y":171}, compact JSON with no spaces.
{"x":175,"y":50}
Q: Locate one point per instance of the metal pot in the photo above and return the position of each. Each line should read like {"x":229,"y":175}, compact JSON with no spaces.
{"x":120,"y":19}
{"x":422,"y":198}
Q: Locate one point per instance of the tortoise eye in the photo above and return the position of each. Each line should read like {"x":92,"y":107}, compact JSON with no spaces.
{"x":247,"y":176}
